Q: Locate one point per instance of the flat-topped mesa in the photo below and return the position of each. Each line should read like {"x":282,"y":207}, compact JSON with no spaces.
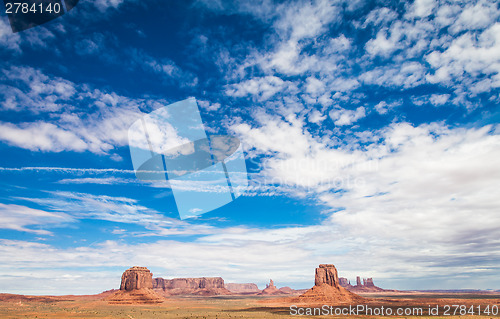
{"x":326,"y":274}
{"x":242,"y":288}
{"x":191,"y":286}
{"x":189,"y":283}
{"x":136,"y":278}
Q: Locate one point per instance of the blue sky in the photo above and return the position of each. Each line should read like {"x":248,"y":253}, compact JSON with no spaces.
{"x":370,"y":131}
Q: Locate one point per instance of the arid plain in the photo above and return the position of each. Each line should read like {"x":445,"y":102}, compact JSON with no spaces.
{"x":141,"y":297}
{"x":17,"y":306}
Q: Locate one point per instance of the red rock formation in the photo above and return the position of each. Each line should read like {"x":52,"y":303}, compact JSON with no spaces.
{"x":287,"y":290}
{"x":344,"y":282}
{"x":135,"y":288}
{"x":271,"y":289}
{"x":367,"y":286}
{"x":242,"y":288}
{"x":327,"y":288}
{"x":191,"y":286}
{"x":369,"y":282}
{"x":136,"y":278}
{"x":326,"y":274}
{"x":271,"y":284}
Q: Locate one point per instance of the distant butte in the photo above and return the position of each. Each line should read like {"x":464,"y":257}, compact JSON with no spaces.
{"x":327,"y":288}
{"x":204,"y":286}
{"x":271,"y":289}
{"x":366,"y":286}
{"x":136,"y":288}
{"x":247,"y":288}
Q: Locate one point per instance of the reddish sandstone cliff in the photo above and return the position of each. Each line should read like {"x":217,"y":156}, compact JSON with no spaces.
{"x":205,"y":286}
{"x":135,"y":288}
{"x":327,"y":288}
{"x":247,"y":288}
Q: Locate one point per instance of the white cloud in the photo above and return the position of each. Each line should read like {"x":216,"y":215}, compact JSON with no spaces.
{"x":431,"y":186}
{"x":302,"y":20}
{"x":34,"y":91}
{"x":407,"y":75}
{"x":91,"y":46}
{"x":17,"y":217}
{"x":8,"y":40}
{"x":167,"y":69}
{"x":208,"y":106}
{"x":120,"y":210}
{"x":347,"y":117}
{"x":296,"y":25}
{"x":383,"y":44}
{"x":316,"y":117}
{"x":476,"y":16}
{"x":383,"y":107}
{"x":314,"y":86}
{"x":439,"y":99}
{"x":38,"y":38}
{"x":470,"y":55}
{"x":40,"y":136}
{"x":423,"y":8}
{"x":283,"y":137}
{"x":95,"y":180}
{"x":103,"y":5}
{"x":117,"y":209}
{"x":261,"y":88}
{"x":380,"y":17}
{"x":406,"y":41}
{"x":73,"y":127}
{"x":67,"y":170}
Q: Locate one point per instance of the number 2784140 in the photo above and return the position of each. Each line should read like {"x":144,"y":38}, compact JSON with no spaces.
{"x":23,"y":7}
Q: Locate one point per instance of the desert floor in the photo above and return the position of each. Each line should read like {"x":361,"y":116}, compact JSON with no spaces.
{"x":17,"y":306}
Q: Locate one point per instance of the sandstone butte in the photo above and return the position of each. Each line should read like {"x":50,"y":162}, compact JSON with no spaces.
{"x":136,"y":288}
{"x":246,"y":288}
{"x":271,"y":289}
{"x":366,"y":286}
{"x":327,"y":288}
{"x":205,"y":286}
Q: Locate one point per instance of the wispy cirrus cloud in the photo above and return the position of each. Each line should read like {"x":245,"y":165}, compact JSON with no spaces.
{"x":120,"y":210}
{"x":18,"y":217}
{"x":67,"y":170}
{"x":94,"y":180}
